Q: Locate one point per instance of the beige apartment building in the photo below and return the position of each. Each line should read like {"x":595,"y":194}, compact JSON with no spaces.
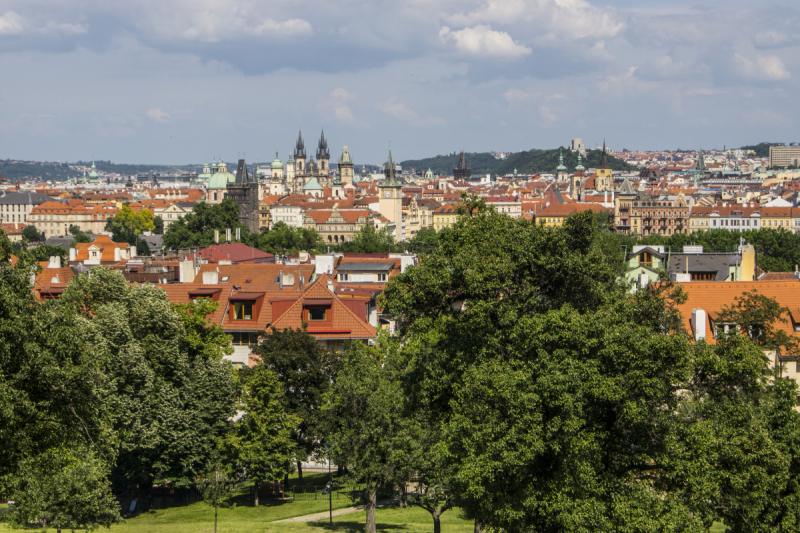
{"x":784,"y":156}
{"x":55,"y":218}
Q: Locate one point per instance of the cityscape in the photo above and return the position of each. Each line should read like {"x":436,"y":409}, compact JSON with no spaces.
{"x":527,"y":266}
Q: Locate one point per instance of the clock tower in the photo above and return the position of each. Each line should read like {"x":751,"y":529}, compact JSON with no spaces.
{"x":390,"y":202}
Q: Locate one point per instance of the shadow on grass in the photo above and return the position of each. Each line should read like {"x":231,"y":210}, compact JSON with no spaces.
{"x":353,"y":527}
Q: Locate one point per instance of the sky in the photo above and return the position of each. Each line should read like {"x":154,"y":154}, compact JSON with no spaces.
{"x":184,"y":81}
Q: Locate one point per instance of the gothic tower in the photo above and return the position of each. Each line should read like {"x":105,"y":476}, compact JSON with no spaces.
{"x":390,"y":200}
{"x":462,"y":172}
{"x":604,"y":180}
{"x":299,"y":155}
{"x":346,"y":167}
{"x":323,"y":155}
{"x":245,"y":192}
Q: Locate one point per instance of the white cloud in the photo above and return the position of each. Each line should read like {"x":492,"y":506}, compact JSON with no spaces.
{"x":553,"y":19}
{"x":285,"y":28}
{"x":515,"y":95}
{"x":401,"y":111}
{"x":11,"y":23}
{"x":340,"y":98}
{"x":157,"y":115}
{"x":64,"y":28}
{"x":767,"y":68}
{"x":482,"y":41}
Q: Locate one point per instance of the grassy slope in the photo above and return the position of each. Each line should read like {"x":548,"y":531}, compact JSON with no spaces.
{"x":200,"y":518}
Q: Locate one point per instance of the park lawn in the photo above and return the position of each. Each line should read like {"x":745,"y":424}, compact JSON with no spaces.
{"x":199,"y":518}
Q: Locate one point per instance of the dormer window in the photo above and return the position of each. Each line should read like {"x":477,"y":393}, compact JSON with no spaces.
{"x":243,"y":311}
{"x":317,"y":314}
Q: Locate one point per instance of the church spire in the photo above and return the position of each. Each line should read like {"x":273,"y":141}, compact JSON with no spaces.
{"x":390,"y":173}
{"x":322,"y":147}
{"x":603,"y":160}
{"x":579,"y":167}
{"x":300,"y":149}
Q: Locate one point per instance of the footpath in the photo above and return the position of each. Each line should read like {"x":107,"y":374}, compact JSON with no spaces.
{"x":338,"y":512}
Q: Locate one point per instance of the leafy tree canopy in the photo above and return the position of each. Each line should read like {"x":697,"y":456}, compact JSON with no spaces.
{"x":284,"y":239}
{"x":197,"y":228}
{"x":369,"y":240}
{"x":31,"y":234}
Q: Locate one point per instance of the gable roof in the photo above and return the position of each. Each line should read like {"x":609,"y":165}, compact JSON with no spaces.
{"x":235,"y":252}
{"x":345,"y":324}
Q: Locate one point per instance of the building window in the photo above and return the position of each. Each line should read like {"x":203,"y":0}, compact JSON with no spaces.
{"x":381,"y":277}
{"x":343,"y":277}
{"x":646,"y":259}
{"x":244,"y":338}
{"x":317,"y":314}
{"x":238,"y":366}
{"x":243,"y":311}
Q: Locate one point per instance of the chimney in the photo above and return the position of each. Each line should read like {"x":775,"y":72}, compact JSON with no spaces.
{"x":210,"y":278}
{"x":324,"y":264}
{"x":216,"y":236}
{"x":73,"y":254}
{"x":238,"y":234}
{"x":227,"y":234}
{"x":133,"y":252}
{"x":330,"y":285}
{"x":699,"y":324}
{"x":116,"y":254}
{"x":55,"y":261}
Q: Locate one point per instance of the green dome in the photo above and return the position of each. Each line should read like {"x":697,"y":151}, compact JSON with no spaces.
{"x":277,"y":164}
{"x":312,"y":185}
{"x":220,"y":180}
{"x":93,"y":173}
{"x":429,"y":174}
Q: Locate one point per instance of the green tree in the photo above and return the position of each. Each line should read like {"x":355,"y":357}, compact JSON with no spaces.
{"x":65,"y":488}
{"x":197,"y":228}
{"x":757,"y":317}
{"x":261,"y":441}
{"x":369,"y":240}
{"x":424,"y":241}
{"x":216,"y":488}
{"x":284,"y":239}
{"x":305,"y":370}
{"x":31,"y":234}
{"x":79,"y":235}
{"x":362,"y":418}
{"x":43,"y":252}
{"x":56,"y":393}
{"x":171,"y":385}
{"x":127,"y":224}
{"x":158,"y":225}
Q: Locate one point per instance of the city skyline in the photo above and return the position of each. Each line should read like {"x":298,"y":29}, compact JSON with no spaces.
{"x":175,"y":82}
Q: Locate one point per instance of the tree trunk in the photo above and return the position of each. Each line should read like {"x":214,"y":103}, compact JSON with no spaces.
{"x":372,"y":495}
{"x":299,"y":472}
{"x":256,"y":499}
{"x":437,"y":525}
{"x":339,"y":470}
{"x":285,"y":483}
{"x":402,"y":490}
{"x":478,"y":526}
{"x":215,"y":519}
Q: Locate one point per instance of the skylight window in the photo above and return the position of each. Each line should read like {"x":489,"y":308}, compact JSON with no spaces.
{"x":224,"y":279}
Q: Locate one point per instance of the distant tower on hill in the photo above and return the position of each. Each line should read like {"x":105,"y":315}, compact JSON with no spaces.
{"x":462,"y":172}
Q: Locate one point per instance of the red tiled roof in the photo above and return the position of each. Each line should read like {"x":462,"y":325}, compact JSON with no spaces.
{"x":235,"y":252}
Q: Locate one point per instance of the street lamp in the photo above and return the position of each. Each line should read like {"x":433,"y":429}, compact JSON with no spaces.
{"x":330,"y":484}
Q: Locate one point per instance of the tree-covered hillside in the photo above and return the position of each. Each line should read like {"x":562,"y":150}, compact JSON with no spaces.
{"x":761,"y":149}
{"x":541,"y":161}
{"x":479,"y":162}
{"x":13,"y":170}
{"x":530,"y":162}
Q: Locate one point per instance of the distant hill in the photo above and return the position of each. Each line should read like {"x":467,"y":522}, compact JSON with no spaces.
{"x":546,"y":161}
{"x":13,"y":170}
{"x":530,"y":162}
{"x":761,"y":149}
{"x":480,"y":163}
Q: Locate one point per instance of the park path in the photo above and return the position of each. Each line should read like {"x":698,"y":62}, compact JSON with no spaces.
{"x":338,"y":512}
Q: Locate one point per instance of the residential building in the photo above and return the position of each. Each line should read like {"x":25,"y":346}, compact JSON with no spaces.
{"x":556,"y":214}
{"x":16,"y":206}
{"x":334,"y":225}
{"x":784,"y":156}
{"x":445,"y":216}
{"x":55,"y":218}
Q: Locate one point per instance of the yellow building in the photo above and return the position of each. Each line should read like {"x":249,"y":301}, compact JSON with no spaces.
{"x":777,"y":217}
{"x":556,"y":214}
{"x":445,"y":216}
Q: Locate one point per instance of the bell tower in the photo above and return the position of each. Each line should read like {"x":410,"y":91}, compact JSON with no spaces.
{"x":390,"y":201}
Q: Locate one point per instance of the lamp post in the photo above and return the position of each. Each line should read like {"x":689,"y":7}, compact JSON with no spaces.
{"x":330,"y":485}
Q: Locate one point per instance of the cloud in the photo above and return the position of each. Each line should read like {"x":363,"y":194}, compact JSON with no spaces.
{"x":340,"y":98}
{"x":773,"y":39}
{"x":704,"y":91}
{"x":554,"y":20}
{"x":762,"y":68}
{"x":157,"y":115}
{"x":515,"y":95}
{"x":11,"y":23}
{"x":482,"y":41}
{"x":401,"y":111}
{"x":63,"y":28}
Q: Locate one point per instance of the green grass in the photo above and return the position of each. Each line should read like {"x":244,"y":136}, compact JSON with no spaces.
{"x":199,"y":518}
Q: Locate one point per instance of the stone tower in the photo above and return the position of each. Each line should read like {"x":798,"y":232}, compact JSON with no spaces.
{"x":604,"y":180}
{"x":346,"y":167}
{"x":390,"y":201}
{"x":323,"y":155}
{"x":462,"y":172}
{"x":246,"y":191}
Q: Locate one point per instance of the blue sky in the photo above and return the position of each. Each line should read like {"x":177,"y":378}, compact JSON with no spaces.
{"x":179,"y":81}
